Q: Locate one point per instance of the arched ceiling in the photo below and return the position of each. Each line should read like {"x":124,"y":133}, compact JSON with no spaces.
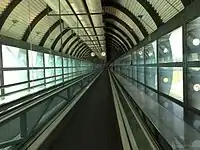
{"x":79,"y":27}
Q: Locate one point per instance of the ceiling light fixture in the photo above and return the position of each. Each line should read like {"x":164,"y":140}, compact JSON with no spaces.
{"x":196,"y":42}
{"x":103,"y":54}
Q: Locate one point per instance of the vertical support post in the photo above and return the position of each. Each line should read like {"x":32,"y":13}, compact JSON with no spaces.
{"x":28,"y":69}
{"x":1,"y":71}
{"x":44,"y":70}
{"x":23,"y":125}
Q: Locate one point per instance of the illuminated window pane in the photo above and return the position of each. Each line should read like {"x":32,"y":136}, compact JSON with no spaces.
{"x":49,"y":72}
{"x":36,"y":74}
{"x":11,"y":77}
{"x":13,"y":56}
{"x":58,"y":71}
{"x":135,"y":72}
{"x":151,"y":53}
{"x":171,"y":81}
{"x":34,"y":83}
{"x":50,"y":79}
{"x":65,"y":62}
{"x":58,"y":61}
{"x":65,"y":70}
{"x":151,"y":77}
{"x":35,"y":59}
{"x":49,"y":60}
{"x":170,"y":47}
{"x":16,"y":88}
{"x":193,"y":40}
{"x":194,"y":87}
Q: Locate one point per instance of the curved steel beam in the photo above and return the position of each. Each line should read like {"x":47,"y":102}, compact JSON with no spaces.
{"x":58,"y":38}
{"x":147,"y":6}
{"x":152,"y":12}
{"x":83,"y":52}
{"x":46,"y":35}
{"x":66,"y":41}
{"x":112,"y":43}
{"x":113,"y":35}
{"x":5,"y":14}
{"x":70,"y":46}
{"x":122,"y":48}
{"x":119,"y":36}
{"x":128,"y":14}
{"x":110,"y":16}
{"x":118,"y":29}
{"x":34,"y":23}
{"x":79,"y":46}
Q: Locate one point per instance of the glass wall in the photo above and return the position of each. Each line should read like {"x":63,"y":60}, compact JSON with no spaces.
{"x":25,"y":71}
{"x":168,"y":70}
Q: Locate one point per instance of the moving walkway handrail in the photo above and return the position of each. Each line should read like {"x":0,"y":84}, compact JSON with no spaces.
{"x":13,"y":112}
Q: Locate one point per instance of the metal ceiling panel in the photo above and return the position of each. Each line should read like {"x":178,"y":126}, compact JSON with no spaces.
{"x":20,"y":18}
{"x":3,"y":5}
{"x":167,"y":8}
{"x":137,"y":9}
{"x":41,"y":28}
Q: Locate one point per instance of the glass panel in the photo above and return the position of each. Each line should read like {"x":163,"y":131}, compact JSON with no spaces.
{"x":13,"y":57}
{"x":58,"y":71}
{"x":36,"y":74}
{"x":170,"y":47}
{"x":16,"y":88}
{"x":65,"y":62}
{"x":49,"y":60}
{"x":140,"y":56}
{"x":11,"y":77}
{"x":35,"y":59}
{"x":177,"y":110}
{"x":193,"y":40}
{"x":151,"y":53}
{"x":141,"y":74}
{"x":152,"y":94}
{"x":194,"y":87}
{"x":65,"y":70}
{"x":58,"y":61}
{"x":151,"y":77}
{"x":49,"y":72}
{"x":50,"y":79}
{"x":135,"y":72}
{"x":34,"y":83}
{"x":171,"y":81}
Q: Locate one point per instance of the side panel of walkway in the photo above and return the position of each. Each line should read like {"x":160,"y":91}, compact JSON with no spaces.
{"x":93,"y":126}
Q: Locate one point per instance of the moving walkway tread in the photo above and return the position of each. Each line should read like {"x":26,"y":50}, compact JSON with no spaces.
{"x":94,"y":125}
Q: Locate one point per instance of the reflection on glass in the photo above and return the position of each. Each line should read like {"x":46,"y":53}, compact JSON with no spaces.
{"x":140,"y":56}
{"x":151,"y":53}
{"x":35,"y":59}
{"x":170,"y":47}
{"x":141,"y":74}
{"x":50,"y":79}
{"x":11,"y":77}
{"x":49,"y":72}
{"x":171,"y":81}
{"x":13,"y":56}
{"x":134,"y":72}
{"x":176,"y":109}
{"x":58,"y":61}
{"x":194,"y":87}
{"x":65,"y":70}
{"x":49,"y":60}
{"x":36,"y":74}
{"x":152,"y":94}
{"x":134,"y":58}
{"x":193,"y":40}
{"x":151,"y":77}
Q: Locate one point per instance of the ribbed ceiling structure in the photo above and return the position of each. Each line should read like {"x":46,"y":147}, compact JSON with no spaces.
{"x":79,"y":27}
